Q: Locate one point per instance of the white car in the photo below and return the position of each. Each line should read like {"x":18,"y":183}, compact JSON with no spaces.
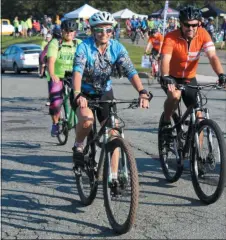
{"x":21,"y":57}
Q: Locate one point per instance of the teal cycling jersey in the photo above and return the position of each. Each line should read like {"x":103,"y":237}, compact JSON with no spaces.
{"x":96,"y":68}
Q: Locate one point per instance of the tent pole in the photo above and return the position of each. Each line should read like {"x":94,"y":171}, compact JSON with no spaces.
{"x":217,"y":23}
{"x":165,"y":14}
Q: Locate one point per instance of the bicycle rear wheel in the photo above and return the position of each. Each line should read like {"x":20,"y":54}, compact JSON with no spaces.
{"x":169,"y":153}
{"x":86,"y":181}
{"x":209,"y":171}
{"x":63,"y":127}
{"x":121,"y":193}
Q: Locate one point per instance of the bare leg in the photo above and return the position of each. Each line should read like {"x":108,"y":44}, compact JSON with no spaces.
{"x":171,"y":104}
{"x":84,"y":125}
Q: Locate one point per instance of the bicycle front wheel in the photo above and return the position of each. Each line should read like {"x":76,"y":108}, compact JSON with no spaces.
{"x":63,"y":128}
{"x":208,"y":169}
{"x":121,"y":191}
{"x":169,"y":153}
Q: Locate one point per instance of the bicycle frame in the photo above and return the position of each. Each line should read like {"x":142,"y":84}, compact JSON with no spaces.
{"x":104,"y":131}
{"x":192,"y":126}
{"x":70,"y":114}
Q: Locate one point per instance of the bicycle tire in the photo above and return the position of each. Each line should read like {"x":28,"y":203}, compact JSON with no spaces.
{"x":196,"y":179}
{"x":126,"y":225}
{"x":87,"y":199}
{"x":178,"y":169}
{"x":62,"y":136}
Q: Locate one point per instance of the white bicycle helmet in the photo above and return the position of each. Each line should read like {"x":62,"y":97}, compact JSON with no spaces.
{"x":101,"y":18}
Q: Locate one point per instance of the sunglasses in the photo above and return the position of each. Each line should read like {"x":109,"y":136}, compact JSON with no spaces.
{"x":103,"y":30}
{"x":187,"y":25}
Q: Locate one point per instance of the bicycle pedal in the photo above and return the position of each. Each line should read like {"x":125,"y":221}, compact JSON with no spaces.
{"x":187,"y":122}
{"x":77,"y":171}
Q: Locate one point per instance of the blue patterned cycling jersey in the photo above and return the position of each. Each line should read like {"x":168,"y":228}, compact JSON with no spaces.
{"x":96,"y":68}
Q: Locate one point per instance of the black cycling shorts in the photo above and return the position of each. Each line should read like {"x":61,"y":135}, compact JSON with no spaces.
{"x":189,"y":94}
{"x":102,"y":113}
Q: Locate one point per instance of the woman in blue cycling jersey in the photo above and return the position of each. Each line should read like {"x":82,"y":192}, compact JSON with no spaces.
{"x":93,"y":65}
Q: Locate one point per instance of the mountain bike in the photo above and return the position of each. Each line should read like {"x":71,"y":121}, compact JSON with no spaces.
{"x":120,"y":194}
{"x":68,"y":118}
{"x":198,"y":139}
{"x":154,"y":71}
{"x":155,"y":67}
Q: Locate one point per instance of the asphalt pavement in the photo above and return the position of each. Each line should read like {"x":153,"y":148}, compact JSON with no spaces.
{"x":39,"y":198}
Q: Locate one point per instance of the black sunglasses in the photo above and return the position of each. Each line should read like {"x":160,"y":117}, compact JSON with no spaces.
{"x":187,"y":25}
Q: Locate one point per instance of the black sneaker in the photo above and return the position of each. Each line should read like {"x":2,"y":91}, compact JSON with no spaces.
{"x":167,"y":131}
{"x":78,"y":158}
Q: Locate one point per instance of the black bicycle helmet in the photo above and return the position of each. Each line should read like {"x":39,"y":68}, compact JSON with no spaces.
{"x":57,"y":33}
{"x":189,"y":13}
{"x":68,"y":25}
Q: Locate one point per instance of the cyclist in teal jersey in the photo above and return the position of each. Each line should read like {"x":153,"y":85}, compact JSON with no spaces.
{"x":60,"y":56}
{"x":93,"y":66}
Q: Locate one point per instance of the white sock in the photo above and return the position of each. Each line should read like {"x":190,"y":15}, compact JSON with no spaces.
{"x":79,"y":146}
{"x":114,"y":175}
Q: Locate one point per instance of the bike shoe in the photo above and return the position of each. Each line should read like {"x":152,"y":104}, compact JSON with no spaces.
{"x":78,"y":158}
{"x":54,"y":130}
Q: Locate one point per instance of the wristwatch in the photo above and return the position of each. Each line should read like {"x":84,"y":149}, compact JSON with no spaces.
{"x":143,"y":91}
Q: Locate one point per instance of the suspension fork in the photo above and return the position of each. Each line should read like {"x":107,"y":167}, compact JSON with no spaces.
{"x":209,"y":133}
{"x":195,"y":132}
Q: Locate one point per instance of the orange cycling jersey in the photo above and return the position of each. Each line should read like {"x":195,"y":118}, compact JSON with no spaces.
{"x":156,"y":41}
{"x":184,"y":60}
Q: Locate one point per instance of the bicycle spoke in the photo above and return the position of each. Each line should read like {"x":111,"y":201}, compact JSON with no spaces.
{"x":208,"y":166}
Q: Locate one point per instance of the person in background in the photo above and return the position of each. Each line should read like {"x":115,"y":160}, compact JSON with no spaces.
{"x":128,"y":27}
{"x":29,"y":25}
{"x":57,"y":22}
{"x":36,"y":27}
{"x":44,"y":30}
{"x":144,"y":26}
{"x":42,"y":61}
{"x":210,"y":27}
{"x":155,"y":41}
{"x":223,"y":29}
{"x":24,"y":28}
{"x":16,"y":27}
{"x":202,"y":22}
{"x":117,"y":29}
{"x":171,"y":25}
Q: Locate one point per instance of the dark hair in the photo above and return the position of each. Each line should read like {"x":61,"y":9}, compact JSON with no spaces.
{"x":68,"y":25}
{"x":152,"y":31}
{"x":190,"y":13}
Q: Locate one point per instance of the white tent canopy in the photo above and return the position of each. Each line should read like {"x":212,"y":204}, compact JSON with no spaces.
{"x":86,"y":11}
{"x":126,"y":13}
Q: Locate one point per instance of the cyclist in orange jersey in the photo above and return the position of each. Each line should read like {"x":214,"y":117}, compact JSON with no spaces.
{"x":155,"y":41}
{"x":180,"y":55}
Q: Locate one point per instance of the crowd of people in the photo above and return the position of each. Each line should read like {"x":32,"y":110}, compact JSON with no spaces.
{"x":32,"y":26}
{"x":135,"y":24}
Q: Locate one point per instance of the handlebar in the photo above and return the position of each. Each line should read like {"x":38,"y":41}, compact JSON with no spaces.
{"x":198,"y":87}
